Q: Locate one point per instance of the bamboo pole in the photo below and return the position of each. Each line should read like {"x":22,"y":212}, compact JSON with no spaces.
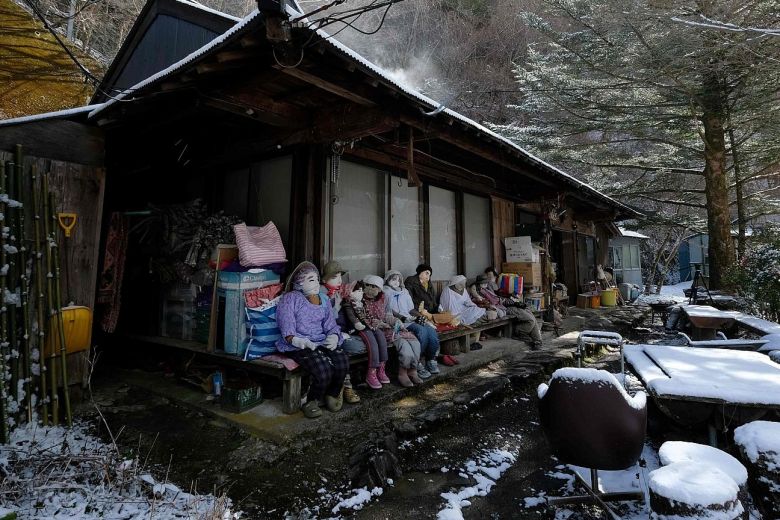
{"x":46,"y":244}
{"x":4,"y":437}
{"x":37,"y":260}
{"x":55,"y":249}
{"x":24,"y":281}
{"x":19,"y":375}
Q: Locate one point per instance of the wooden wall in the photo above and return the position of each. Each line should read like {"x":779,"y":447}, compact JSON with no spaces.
{"x":78,"y":189}
{"x":503,"y":212}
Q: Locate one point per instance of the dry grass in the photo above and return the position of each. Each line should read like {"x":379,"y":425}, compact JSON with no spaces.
{"x":36,"y":75}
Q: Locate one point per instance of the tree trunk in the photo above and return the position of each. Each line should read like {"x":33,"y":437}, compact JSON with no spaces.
{"x":741,"y":223}
{"x":721,"y":247}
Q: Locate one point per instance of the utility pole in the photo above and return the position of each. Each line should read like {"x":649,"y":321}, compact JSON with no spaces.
{"x":71,"y":16}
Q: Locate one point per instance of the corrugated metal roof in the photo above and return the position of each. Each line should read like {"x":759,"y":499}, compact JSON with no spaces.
{"x":59,"y":114}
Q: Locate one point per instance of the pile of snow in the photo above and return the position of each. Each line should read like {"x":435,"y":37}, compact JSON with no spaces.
{"x":669,"y":293}
{"x":485,"y":471}
{"x":55,"y":472}
{"x":679,"y":451}
{"x":593,"y":375}
{"x":760,"y":438}
{"x":358,"y":500}
{"x":695,"y":484}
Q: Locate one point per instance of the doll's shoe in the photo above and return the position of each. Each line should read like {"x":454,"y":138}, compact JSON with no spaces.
{"x":381,"y":375}
{"x":372,"y":380}
{"x":448,"y":360}
{"x":422,"y":373}
{"x":432,"y":366}
{"x":334,"y":404}
{"x":350,"y":396}
{"x":311,"y":409}
{"x":412,"y":373}
{"x":403,"y":377}
{"x":475,"y":346}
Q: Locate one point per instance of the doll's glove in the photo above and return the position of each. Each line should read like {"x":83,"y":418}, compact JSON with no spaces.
{"x":345,"y":336}
{"x":360,"y":326}
{"x":303,"y":343}
{"x":331,"y":342}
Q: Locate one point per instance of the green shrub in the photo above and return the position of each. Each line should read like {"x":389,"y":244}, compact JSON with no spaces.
{"x":757,"y":276}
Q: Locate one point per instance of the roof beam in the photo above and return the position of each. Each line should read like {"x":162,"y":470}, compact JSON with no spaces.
{"x":352,"y":94}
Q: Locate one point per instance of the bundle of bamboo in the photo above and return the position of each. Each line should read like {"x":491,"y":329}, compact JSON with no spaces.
{"x":30,"y":388}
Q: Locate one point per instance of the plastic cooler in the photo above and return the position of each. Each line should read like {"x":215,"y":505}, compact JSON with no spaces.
{"x":230,"y":288}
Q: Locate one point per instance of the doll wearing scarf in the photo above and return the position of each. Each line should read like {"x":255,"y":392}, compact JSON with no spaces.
{"x":371,"y":330}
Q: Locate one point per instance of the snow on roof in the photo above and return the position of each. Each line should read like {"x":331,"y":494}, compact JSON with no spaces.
{"x":696,"y":484}
{"x":632,"y":234}
{"x":677,"y":451}
{"x":58,"y":114}
{"x":434,"y":106}
{"x":759,"y":438}
{"x":730,"y":376}
{"x":198,"y":5}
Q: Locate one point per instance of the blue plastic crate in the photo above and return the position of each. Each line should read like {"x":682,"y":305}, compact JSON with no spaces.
{"x":231,"y":287}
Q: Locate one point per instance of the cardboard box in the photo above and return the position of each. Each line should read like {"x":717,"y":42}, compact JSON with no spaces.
{"x":513,"y":256}
{"x":530,"y":271}
{"x":518,"y":244}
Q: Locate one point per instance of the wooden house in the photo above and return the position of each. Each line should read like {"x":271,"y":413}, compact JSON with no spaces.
{"x":267,"y":119}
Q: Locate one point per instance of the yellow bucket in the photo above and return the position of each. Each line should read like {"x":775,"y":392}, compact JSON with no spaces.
{"x":77,"y":325}
{"x":608,"y":298}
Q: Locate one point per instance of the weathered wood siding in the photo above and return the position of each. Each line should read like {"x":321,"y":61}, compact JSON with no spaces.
{"x":78,"y":189}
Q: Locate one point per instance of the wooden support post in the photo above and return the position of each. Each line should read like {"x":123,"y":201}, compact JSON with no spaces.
{"x":412,"y":178}
{"x":291,"y":393}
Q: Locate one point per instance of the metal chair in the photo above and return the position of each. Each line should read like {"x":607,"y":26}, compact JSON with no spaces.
{"x":590,"y":421}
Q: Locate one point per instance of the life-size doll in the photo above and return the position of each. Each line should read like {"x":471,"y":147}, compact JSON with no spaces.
{"x":311,"y":337}
{"x":332,"y":285}
{"x":526,"y":322}
{"x":371,"y":330}
{"x":399,"y":303}
{"x":455,"y":299}
{"x":404,"y":341}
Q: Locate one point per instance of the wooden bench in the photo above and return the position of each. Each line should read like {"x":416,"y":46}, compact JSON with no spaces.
{"x":462,"y":333}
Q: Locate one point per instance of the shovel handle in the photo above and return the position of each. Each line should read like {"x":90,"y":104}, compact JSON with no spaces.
{"x":67,"y":222}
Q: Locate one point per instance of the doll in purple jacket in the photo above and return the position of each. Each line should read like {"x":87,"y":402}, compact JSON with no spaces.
{"x":311,"y":337}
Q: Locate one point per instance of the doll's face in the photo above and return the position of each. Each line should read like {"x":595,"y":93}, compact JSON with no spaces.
{"x":482,"y":286}
{"x":357,"y":295}
{"x":394,"y":281}
{"x":425,"y":276}
{"x":334,"y":281}
{"x":491,"y":277}
{"x":371,"y":291}
{"x":310,"y":284}
{"x":459,"y":287}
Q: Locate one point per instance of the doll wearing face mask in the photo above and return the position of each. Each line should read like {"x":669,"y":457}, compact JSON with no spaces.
{"x":405,"y":342}
{"x":371,"y":332}
{"x":311,"y":337}
{"x":399,"y":303}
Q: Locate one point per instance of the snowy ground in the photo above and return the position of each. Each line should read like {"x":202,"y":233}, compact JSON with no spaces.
{"x":54,"y":472}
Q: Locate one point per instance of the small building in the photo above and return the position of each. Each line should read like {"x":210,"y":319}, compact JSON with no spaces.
{"x":625,"y":257}
{"x":284,"y":124}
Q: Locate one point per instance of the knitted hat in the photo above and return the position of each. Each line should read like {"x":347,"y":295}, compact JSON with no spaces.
{"x":455,"y":280}
{"x":372,"y":279}
{"x":331,"y":269}
{"x":424,"y":267}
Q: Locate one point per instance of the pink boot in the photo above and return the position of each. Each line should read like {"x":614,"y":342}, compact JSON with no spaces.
{"x":371,"y":379}
{"x":380,"y":374}
{"x":412,"y":373}
{"x":403,"y":378}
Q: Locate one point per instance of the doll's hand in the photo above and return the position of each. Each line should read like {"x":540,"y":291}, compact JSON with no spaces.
{"x":345,"y":336}
{"x":303,"y":343}
{"x":331,"y":342}
{"x":383,"y":325}
{"x":360,"y":326}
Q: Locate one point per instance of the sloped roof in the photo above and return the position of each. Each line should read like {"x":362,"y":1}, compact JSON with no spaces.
{"x":631,"y":234}
{"x":426,"y":104}
{"x":36,"y":74}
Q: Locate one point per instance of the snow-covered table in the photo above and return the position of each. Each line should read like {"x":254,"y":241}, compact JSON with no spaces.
{"x":695,"y":385}
{"x":705,"y":320}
